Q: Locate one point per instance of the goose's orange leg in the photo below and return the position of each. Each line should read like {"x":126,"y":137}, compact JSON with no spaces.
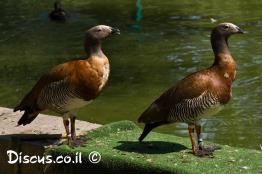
{"x":192,"y":139}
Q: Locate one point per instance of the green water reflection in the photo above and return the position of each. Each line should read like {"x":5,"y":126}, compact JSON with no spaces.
{"x":161,"y":41}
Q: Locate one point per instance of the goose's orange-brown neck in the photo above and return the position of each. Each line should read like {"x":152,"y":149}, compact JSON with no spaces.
{"x":219,"y":42}
{"x":93,"y":47}
{"x":224,"y":62}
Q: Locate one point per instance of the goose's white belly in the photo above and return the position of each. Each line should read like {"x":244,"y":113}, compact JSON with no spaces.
{"x":76,"y":103}
{"x":106,"y":71}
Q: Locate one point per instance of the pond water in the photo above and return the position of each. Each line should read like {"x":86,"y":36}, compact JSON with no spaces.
{"x":161,"y":41}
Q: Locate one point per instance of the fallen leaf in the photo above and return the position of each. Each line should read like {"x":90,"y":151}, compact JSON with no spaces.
{"x":245,"y":167}
{"x":149,"y":160}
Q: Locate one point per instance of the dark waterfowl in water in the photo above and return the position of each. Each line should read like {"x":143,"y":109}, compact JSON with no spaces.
{"x":58,"y":14}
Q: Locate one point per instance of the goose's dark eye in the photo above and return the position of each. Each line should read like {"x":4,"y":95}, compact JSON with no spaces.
{"x":98,"y":30}
{"x":226,"y":27}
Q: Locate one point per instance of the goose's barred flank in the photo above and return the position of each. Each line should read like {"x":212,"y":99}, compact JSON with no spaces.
{"x":189,"y":110}
{"x":56,"y":96}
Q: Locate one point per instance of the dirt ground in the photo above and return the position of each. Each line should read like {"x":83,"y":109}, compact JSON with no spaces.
{"x":43,"y":124}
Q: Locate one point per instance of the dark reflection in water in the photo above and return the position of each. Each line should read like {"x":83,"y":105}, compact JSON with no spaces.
{"x":161,"y":42}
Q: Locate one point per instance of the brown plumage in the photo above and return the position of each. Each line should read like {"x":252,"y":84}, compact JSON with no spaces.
{"x":71,"y":85}
{"x":199,"y":94}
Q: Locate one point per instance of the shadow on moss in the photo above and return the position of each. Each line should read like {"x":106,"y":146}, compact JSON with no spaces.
{"x":150,"y":147}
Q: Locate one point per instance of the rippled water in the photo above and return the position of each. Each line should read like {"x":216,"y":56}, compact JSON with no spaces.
{"x":161,"y":42}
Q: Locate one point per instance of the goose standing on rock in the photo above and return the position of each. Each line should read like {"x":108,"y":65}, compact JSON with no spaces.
{"x":200,"y":94}
{"x":71,"y":85}
{"x":58,"y":14}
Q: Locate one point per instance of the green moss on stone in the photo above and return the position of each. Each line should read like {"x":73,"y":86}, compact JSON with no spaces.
{"x":161,"y":153}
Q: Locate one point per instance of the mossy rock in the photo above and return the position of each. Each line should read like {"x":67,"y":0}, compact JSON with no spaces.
{"x":161,"y":153}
